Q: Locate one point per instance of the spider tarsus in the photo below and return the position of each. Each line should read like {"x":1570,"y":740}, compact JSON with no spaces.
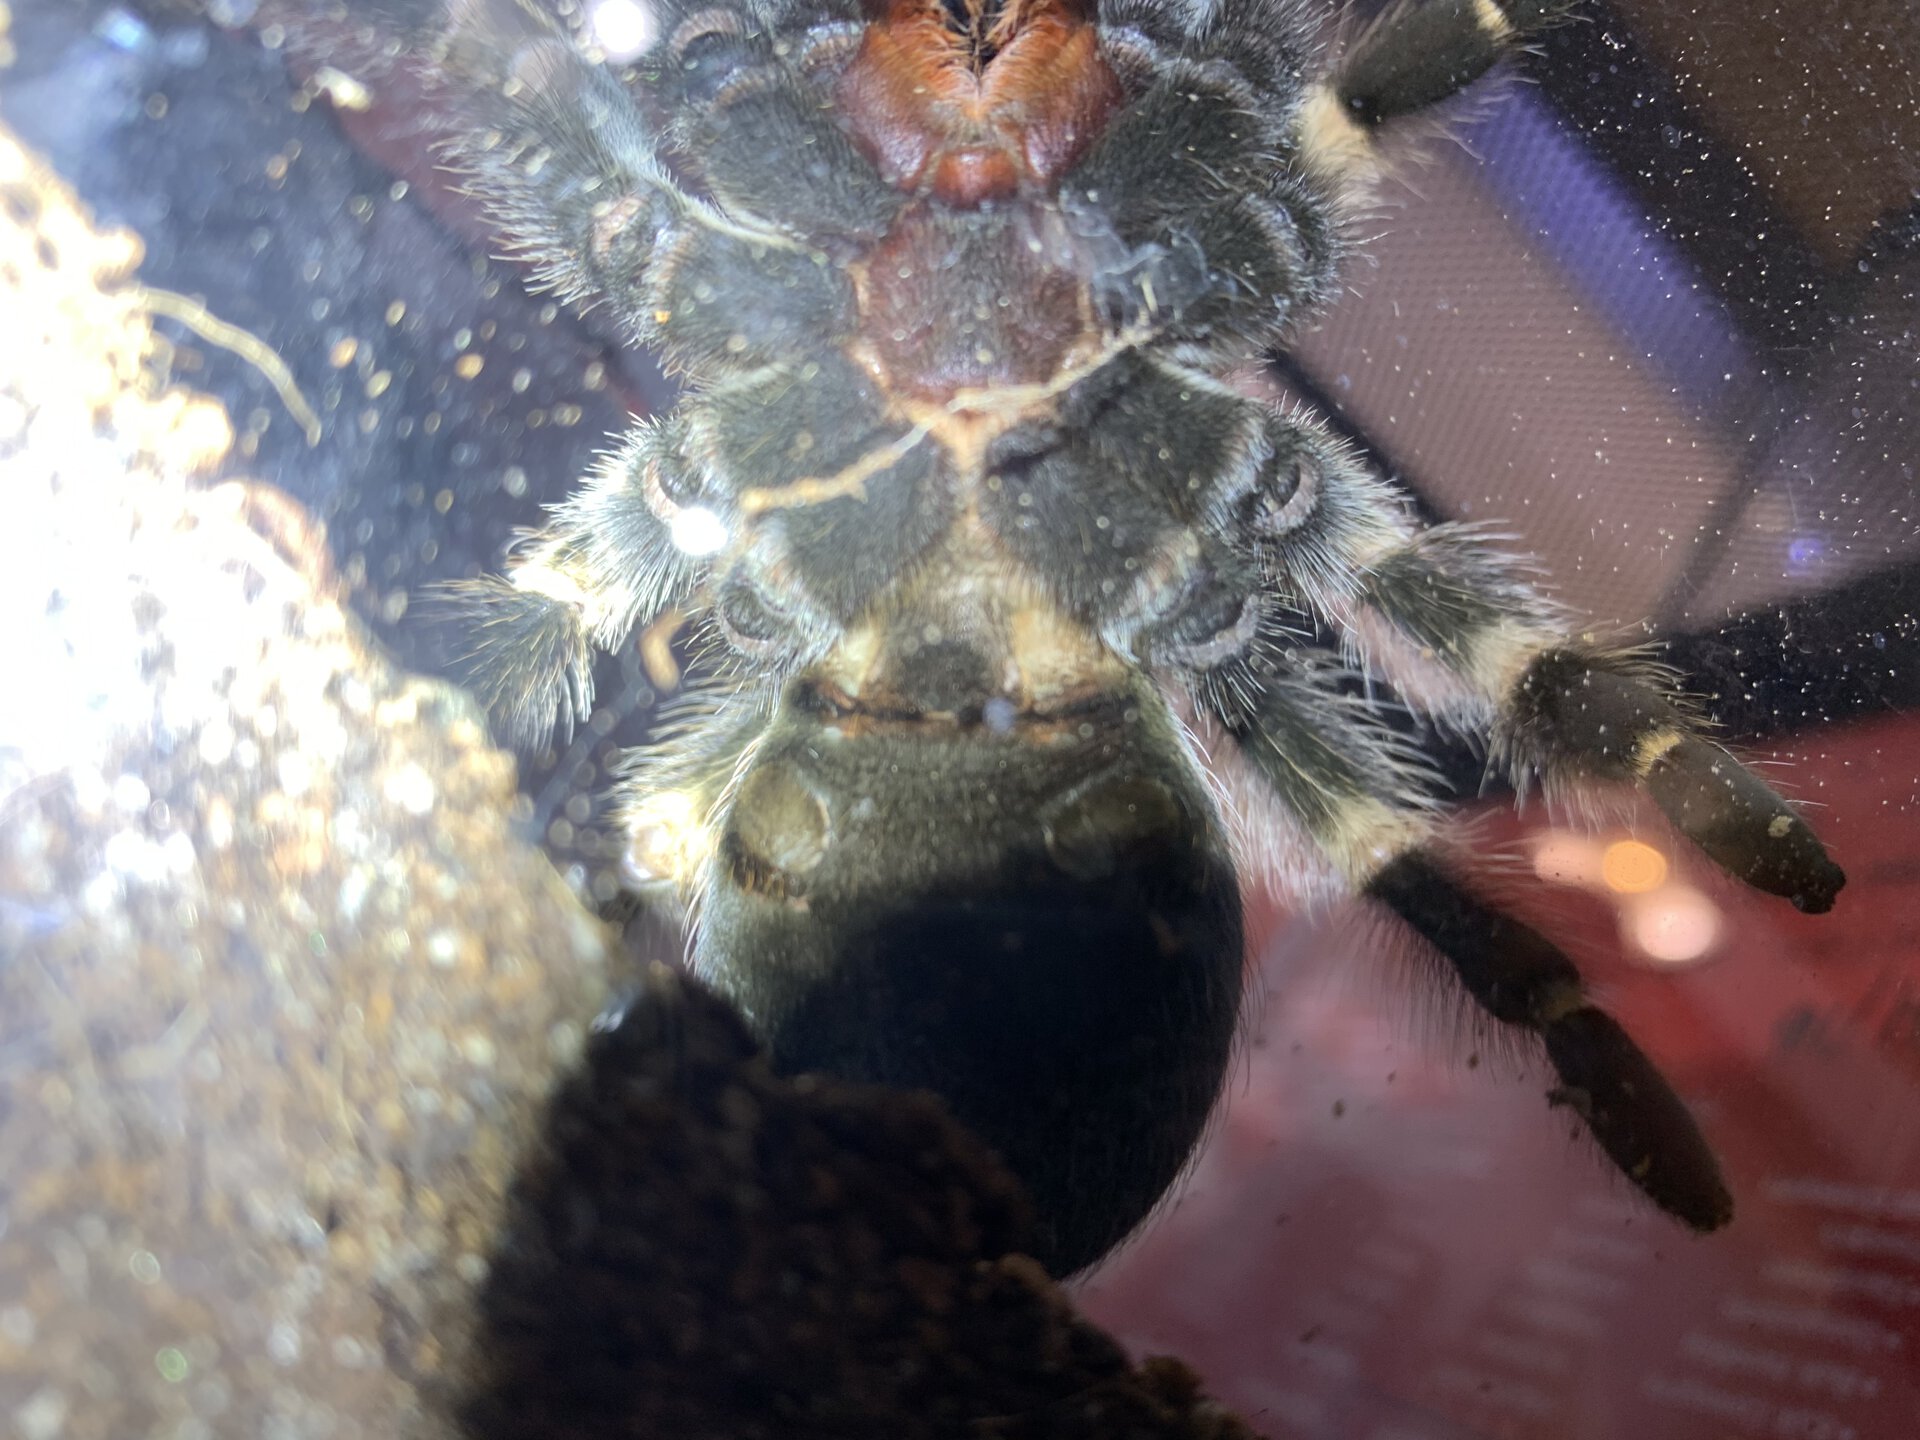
{"x":1738,"y":820}
{"x":1590,"y":714}
{"x":529,"y":656}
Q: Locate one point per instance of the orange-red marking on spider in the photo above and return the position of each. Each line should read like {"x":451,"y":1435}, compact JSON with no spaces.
{"x":1004,"y":105}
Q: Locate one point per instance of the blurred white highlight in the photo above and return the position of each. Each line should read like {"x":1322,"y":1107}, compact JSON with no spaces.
{"x":1673,"y":925}
{"x":697,"y":531}
{"x":622,"y":28}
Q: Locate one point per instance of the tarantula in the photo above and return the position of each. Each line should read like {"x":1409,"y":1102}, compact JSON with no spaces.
{"x":994,"y":542}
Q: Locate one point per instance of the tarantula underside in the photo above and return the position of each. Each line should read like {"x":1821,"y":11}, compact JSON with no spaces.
{"x":991,"y":546}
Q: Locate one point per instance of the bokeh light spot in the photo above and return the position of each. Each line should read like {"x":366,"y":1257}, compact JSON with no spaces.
{"x":1633,"y":867}
{"x":1675,"y":926}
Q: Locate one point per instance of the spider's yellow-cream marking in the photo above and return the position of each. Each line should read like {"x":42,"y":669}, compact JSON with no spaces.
{"x":1044,"y":657}
{"x":670,"y":838}
{"x":1492,"y":21}
{"x":1335,"y":145}
{"x":1364,"y":834}
{"x":605,"y":610}
{"x":1649,"y":749}
{"x":850,"y":482}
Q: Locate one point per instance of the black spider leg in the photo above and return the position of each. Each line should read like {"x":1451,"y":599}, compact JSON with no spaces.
{"x":561,"y":154}
{"x":1360,"y":800}
{"x":1413,"y":58}
{"x":1519,"y":977}
{"x":1418,"y":54}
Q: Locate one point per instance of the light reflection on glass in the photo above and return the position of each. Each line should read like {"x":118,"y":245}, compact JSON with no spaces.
{"x":622,"y":28}
{"x":1662,"y":920}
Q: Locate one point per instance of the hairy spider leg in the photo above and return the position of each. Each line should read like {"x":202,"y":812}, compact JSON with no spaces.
{"x":1520,"y":978}
{"x":1364,"y":804}
{"x":605,"y":562}
{"x":567,"y":166}
{"x":566,"y":163}
{"x":1572,"y":712}
{"x":1454,"y":625}
{"x":1416,"y":56}
{"x":1301,"y":512}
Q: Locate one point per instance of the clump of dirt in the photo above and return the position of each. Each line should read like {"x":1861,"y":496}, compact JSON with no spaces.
{"x":698,"y":1248}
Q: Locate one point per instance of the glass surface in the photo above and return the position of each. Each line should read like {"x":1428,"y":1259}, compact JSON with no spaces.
{"x":1656,"y":308}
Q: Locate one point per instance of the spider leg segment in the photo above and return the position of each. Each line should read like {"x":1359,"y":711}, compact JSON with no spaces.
{"x":1454,"y":625}
{"x":1451,"y":621}
{"x":1357,"y":790}
{"x":1359,"y":800}
{"x":564,"y":159}
{"x":1415,"y":56}
{"x":1520,"y":978}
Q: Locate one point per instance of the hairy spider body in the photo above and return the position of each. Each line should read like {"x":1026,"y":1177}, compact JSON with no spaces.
{"x":993,"y":542}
